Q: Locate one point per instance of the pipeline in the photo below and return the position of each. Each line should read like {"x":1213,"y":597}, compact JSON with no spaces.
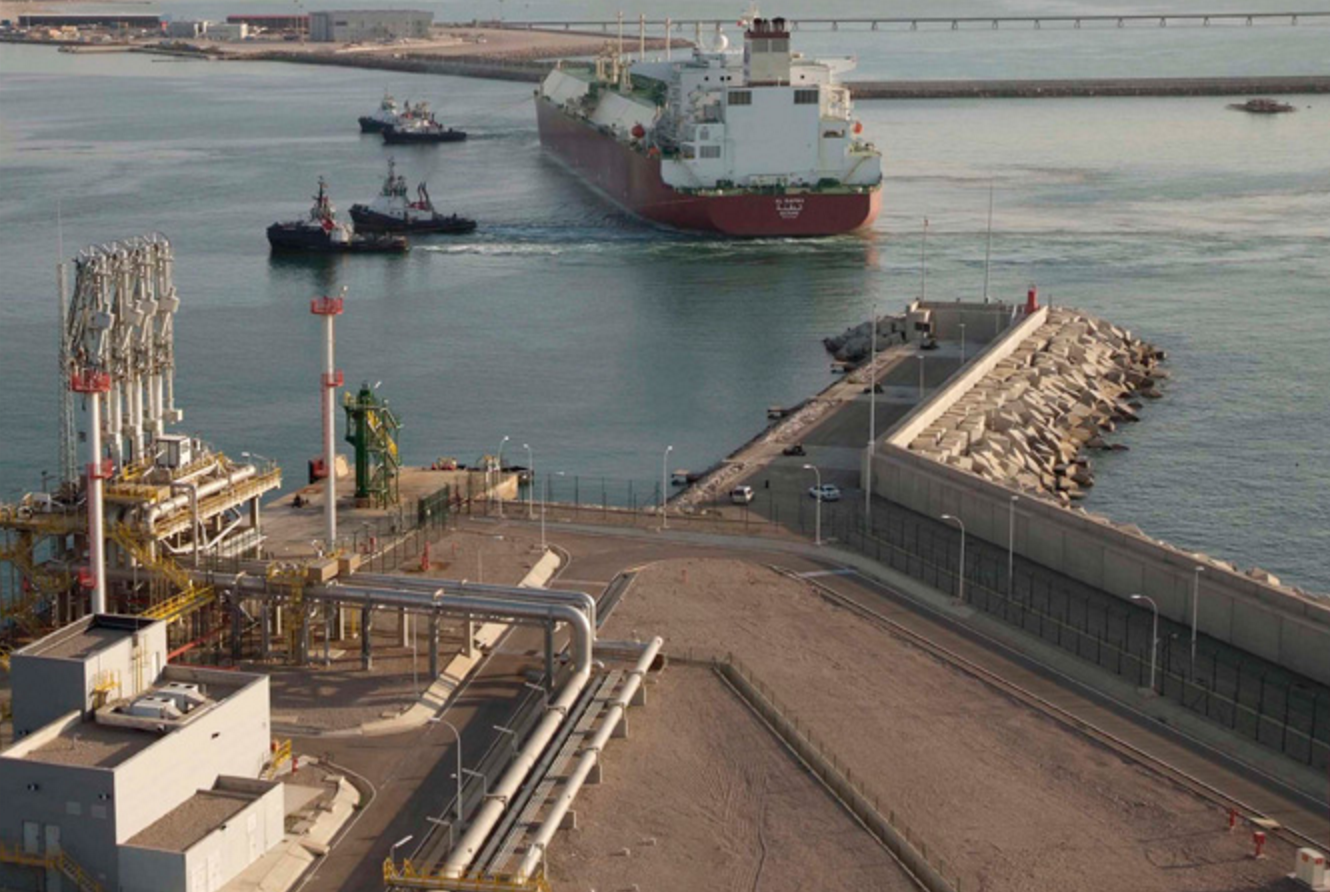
{"x":582,"y":600}
{"x":175,"y":503}
{"x":535,"y":852}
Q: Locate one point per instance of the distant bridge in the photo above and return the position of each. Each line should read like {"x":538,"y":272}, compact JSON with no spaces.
{"x":954,"y":23}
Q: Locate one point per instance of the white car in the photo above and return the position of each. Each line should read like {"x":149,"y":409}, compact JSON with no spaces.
{"x":741,"y":495}
{"x":827,"y":492}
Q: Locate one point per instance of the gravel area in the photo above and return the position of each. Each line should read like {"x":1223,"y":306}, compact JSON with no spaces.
{"x":190,"y":821}
{"x":703,"y":796}
{"x":1012,"y":799}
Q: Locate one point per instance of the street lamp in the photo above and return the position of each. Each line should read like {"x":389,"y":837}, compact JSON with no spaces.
{"x":1011,"y":544}
{"x":1154,"y":636}
{"x":531,"y":487}
{"x":437,"y":720}
{"x":664,"y":487}
{"x":1195,"y":601}
{"x":499,"y":476}
{"x":392,"y":853}
{"x":960,"y":578}
{"x":512,"y":736}
{"x":962,"y":343}
{"x":484,"y":783}
{"x":921,"y":359}
{"x":872,"y":419}
{"x":817,"y":517}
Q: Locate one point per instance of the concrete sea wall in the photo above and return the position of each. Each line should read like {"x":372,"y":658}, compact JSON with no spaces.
{"x":1249,"y":610}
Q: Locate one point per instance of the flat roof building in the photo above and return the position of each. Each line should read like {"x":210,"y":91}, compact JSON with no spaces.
{"x":355,"y":25}
{"x":144,"y":775}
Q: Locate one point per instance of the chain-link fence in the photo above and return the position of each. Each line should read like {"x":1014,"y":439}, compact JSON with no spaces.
{"x":1255,"y":698}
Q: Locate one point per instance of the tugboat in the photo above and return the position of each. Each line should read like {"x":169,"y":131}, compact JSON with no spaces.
{"x":1262,"y":106}
{"x":392,"y":212}
{"x":420,"y":127}
{"x":386,"y":116}
{"x":320,"y":233}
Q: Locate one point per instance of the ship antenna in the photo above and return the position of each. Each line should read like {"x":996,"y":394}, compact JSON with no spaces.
{"x":988,"y":247}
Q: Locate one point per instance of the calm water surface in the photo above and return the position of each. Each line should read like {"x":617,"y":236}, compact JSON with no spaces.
{"x":566,"y":325}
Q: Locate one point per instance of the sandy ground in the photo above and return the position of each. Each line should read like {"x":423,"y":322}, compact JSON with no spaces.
{"x":1014,"y":800}
{"x":703,"y":796}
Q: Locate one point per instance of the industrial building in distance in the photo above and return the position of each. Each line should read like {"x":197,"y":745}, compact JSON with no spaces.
{"x":349,"y":25}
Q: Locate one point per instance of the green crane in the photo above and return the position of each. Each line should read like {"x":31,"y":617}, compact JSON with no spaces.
{"x":371,"y":427}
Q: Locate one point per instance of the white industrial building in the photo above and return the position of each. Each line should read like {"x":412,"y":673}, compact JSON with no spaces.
{"x":354,"y":25}
{"x":130,"y":775}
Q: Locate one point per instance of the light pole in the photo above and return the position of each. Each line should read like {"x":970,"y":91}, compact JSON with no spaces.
{"x":962,"y":343}
{"x":436,"y":720}
{"x":1154,"y":636}
{"x":511,"y":734}
{"x":392,"y":853}
{"x":1195,"y":601}
{"x":1011,"y":544}
{"x":960,"y":577}
{"x":923,"y":265}
{"x":498,"y":477}
{"x":872,"y":419}
{"x":664,"y":487}
{"x":544,"y":497}
{"x":817,"y":516}
{"x":531,"y":488}
{"x":921,"y":359}
{"x":484,"y":782}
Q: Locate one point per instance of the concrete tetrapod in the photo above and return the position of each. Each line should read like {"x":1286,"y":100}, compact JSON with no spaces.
{"x":535,"y":852}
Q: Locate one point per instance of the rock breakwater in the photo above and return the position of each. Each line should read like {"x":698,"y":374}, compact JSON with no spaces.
{"x":1030,"y":421}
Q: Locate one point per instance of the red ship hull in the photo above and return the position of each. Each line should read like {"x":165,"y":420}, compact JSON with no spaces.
{"x":633,"y":181}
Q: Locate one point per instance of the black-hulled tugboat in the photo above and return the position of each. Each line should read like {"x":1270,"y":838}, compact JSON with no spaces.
{"x":420,"y":127}
{"x":320,"y":233}
{"x":391,"y":211}
{"x":387,"y":115}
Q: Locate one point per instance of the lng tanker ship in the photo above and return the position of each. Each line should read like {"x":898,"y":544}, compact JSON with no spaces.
{"x":758,"y":143}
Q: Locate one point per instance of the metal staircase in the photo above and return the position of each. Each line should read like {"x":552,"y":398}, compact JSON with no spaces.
{"x":60,"y":861}
{"x":189,"y":597}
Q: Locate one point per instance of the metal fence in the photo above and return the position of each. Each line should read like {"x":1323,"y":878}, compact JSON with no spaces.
{"x":1255,"y":698}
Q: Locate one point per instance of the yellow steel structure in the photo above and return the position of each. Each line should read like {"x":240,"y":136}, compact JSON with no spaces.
{"x":103,"y":684}
{"x":4,"y":656}
{"x":280,"y":756}
{"x":58,"y":861}
{"x":408,"y":877}
{"x":189,"y":596}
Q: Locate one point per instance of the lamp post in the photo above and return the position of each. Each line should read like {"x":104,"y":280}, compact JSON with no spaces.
{"x":664,"y":487}
{"x":392,"y":853}
{"x":511,"y":734}
{"x":872,"y":419}
{"x":923,"y":265}
{"x":921,"y":359}
{"x":436,"y":720}
{"x":817,"y":516}
{"x":531,"y":488}
{"x":1154,"y":636}
{"x":484,"y":782}
{"x":498,"y":477}
{"x":962,"y":343}
{"x":960,"y":577}
{"x":1011,"y":544}
{"x":1195,"y":601}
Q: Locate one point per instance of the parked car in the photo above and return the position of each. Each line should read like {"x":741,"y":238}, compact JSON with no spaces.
{"x":827,"y":492}
{"x":741,"y":495}
{"x":794,"y":449}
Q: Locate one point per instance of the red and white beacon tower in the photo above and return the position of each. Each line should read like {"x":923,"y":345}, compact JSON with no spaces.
{"x":329,"y":308}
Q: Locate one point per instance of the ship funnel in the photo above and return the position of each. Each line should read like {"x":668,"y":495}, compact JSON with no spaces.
{"x":767,"y":52}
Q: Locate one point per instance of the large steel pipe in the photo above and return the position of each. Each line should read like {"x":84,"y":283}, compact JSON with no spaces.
{"x":535,"y":852}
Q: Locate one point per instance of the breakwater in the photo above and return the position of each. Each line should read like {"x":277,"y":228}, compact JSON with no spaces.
{"x":1029,"y":421}
{"x":1080,"y":87}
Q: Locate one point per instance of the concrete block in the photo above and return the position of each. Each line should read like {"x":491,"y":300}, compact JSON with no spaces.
{"x":593,"y":776}
{"x":569,"y":820}
{"x":639,"y":697}
{"x":621,"y":729}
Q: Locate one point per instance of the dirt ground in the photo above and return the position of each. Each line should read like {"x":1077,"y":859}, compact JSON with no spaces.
{"x":703,"y":796}
{"x":1017,"y":802}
